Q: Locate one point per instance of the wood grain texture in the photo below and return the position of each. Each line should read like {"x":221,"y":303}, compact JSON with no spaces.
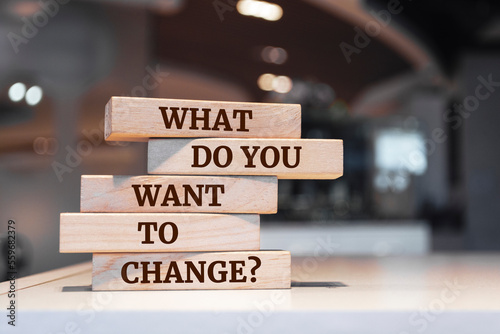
{"x":318,"y":158}
{"x":143,"y":232}
{"x":137,"y":119}
{"x":169,"y":271}
{"x":154,"y":193}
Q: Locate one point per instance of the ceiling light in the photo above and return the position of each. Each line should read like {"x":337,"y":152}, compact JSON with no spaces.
{"x":265,"y":81}
{"x":274,"y":55}
{"x":282,"y":84}
{"x":261,"y":9}
{"x":17,"y":91}
{"x":34,"y":95}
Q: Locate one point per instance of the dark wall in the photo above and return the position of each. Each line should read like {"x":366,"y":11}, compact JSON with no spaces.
{"x":481,"y":150}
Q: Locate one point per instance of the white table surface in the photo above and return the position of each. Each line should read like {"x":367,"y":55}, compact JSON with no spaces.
{"x":429,"y":294}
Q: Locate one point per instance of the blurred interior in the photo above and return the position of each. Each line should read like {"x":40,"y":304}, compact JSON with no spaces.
{"x":410,"y":86}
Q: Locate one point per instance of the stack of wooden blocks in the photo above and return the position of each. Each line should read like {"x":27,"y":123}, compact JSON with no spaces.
{"x":183,"y":229}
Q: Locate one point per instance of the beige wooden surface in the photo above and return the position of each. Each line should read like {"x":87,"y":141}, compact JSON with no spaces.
{"x":155,"y":193}
{"x":285,"y":158}
{"x":157,"y":232}
{"x":412,"y":294}
{"x":373,"y":285}
{"x":218,"y":270}
{"x":137,"y":119}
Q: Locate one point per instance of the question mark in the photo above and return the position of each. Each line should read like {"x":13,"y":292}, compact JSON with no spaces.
{"x":257,"y":266}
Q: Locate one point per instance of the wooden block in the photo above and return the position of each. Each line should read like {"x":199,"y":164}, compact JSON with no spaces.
{"x":154,"y":193}
{"x":137,"y":119}
{"x":157,"y":232}
{"x":285,"y":158}
{"x":191,"y":271}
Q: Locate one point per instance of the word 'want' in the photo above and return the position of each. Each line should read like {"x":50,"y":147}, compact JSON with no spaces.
{"x":172,"y":196}
{"x":269,"y":156}
{"x":221,"y":120}
{"x":199,"y":271}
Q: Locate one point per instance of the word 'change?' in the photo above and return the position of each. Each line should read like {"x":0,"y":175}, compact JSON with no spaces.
{"x":232,"y":271}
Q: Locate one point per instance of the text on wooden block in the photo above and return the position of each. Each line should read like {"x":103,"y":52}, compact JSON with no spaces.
{"x":157,"y":232}
{"x":154,"y":193}
{"x":137,"y":119}
{"x":285,"y":158}
{"x":179,"y":271}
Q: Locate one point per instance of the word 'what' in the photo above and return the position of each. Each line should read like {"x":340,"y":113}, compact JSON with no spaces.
{"x":177,"y":118}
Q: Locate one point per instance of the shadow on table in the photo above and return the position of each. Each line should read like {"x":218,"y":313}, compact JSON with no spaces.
{"x":294,"y":285}
{"x":81,"y":288}
{"x":318,"y":284}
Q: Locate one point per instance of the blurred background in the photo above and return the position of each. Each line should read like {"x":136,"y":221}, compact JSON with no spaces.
{"x":412,"y":87}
